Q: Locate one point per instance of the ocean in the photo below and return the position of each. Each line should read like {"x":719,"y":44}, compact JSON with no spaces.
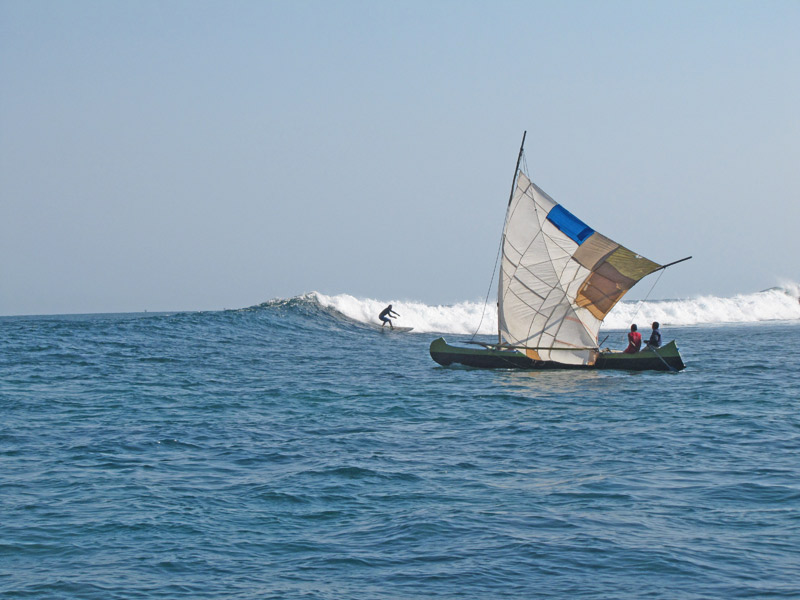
{"x":291,"y":450}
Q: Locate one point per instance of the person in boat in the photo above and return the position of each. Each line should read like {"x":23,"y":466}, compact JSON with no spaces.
{"x":655,"y":337}
{"x":385,"y":314}
{"x":634,"y":341}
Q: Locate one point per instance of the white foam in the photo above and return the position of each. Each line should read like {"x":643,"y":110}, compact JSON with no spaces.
{"x":461,"y":318}
{"x":775,"y":304}
{"x":780,"y":303}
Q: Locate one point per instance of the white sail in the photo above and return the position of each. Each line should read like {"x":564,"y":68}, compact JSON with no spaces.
{"x":559,"y":278}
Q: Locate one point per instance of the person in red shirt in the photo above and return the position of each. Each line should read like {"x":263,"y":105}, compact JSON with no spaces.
{"x":634,"y":341}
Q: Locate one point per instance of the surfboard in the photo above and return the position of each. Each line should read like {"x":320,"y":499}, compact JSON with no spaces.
{"x":396,"y":329}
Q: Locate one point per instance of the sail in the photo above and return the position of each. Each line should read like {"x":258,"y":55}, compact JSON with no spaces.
{"x":559,"y":278}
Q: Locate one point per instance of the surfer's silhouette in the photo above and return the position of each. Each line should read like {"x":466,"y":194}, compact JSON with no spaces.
{"x":385,"y":314}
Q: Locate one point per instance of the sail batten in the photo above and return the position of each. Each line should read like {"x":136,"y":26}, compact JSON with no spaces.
{"x":554,"y":294}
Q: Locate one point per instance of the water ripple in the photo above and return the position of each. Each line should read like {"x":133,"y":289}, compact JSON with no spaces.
{"x":280,"y":452}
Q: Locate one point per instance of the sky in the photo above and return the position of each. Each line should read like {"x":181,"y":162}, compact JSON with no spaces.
{"x":206,"y":155}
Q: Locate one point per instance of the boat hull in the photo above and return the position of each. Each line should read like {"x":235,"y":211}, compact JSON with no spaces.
{"x":666,"y":358}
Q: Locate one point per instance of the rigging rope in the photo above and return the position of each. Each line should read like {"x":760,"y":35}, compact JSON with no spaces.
{"x":497,"y":259}
{"x":641,"y":302}
{"x":489,"y":291}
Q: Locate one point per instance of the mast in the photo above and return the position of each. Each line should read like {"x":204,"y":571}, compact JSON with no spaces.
{"x":516,"y":170}
{"x":510,"y":198}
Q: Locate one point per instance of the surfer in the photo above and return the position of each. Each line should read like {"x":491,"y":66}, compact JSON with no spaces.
{"x":634,"y":341}
{"x":655,"y":337}
{"x":385,"y":314}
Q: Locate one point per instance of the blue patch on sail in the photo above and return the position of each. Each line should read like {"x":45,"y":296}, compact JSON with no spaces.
{"x":569,"y":224}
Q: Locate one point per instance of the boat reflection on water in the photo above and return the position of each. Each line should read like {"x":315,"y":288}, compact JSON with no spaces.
{"x":554,"y":383}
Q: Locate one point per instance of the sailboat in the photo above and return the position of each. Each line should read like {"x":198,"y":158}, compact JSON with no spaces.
{"x":559,"y":278}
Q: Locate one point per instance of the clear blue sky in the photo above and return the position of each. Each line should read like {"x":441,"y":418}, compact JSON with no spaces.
{"x":201,"y":155}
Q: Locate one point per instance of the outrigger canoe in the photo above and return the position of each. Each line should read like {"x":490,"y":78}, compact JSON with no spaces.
{"x":666,"y":358}
{"x":559,"y":278}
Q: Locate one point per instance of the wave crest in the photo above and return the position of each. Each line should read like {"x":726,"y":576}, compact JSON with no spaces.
{"x":775,"y":304}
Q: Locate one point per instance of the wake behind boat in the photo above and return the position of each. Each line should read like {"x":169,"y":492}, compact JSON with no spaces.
{"x":559,"y":278}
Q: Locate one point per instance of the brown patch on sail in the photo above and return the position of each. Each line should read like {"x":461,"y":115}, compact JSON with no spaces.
{"x":594,"y":249}
{"x":532,"y":354}
{"x":612,"y":277}
{"x":630,"y":264}
{"x":603,"y":289}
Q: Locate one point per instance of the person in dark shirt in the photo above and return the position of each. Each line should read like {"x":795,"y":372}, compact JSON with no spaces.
{"x":655,"y":337}
{"x":385,"y":314}
{"x":634,"y":341}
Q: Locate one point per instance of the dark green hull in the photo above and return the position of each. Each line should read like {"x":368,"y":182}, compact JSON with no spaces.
{"x":666,"y":358}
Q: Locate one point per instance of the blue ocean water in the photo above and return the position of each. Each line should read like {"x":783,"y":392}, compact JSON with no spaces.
{"x":287,"y":451}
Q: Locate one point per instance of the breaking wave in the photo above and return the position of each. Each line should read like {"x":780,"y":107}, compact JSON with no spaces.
{"x":775,"y":304}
